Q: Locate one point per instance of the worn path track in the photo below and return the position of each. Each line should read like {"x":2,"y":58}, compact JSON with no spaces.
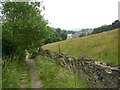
{"x":35,"y":81}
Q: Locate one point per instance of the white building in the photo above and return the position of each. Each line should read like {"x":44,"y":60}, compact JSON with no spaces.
{"x":69,"y":36}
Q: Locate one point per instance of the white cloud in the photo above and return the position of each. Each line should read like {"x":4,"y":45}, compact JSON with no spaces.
{"x":69,"y":14}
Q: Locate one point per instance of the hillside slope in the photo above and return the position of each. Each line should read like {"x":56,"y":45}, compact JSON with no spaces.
{"x":103,"y":46}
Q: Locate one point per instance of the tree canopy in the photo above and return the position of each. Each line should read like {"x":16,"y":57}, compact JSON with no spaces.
{"x":56,"y":35}
{"x":115,"y":24}
{"x":23,"y":26}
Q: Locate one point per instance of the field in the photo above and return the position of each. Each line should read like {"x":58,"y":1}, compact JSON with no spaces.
{"x":102,"y":47}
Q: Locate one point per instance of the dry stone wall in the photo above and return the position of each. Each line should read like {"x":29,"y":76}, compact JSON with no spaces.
{"x":99,"y":75}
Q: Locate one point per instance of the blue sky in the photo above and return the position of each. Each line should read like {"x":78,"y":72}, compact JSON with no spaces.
{"x":72,"y":14}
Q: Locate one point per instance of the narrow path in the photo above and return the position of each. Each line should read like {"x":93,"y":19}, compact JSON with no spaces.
{"x":35,"y":81}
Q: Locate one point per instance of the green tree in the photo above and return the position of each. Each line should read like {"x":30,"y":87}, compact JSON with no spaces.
{"x":114,"y":25}
{"x":64,"y":34}
{"x":24,"y":26}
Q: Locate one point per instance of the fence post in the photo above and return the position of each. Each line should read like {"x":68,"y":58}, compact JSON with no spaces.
{"x":59,"y":48}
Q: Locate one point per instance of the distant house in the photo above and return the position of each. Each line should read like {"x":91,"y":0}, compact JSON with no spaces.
{"x":75,"y":35}
{"x":69,"y":36}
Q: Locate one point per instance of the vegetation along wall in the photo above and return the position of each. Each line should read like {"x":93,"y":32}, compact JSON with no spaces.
{"x":99,"y":75}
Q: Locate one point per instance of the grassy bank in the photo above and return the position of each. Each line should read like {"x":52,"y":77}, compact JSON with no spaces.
{"x":16,"y":75}
{"x":102,"y":46}
{"x":55,"y":76}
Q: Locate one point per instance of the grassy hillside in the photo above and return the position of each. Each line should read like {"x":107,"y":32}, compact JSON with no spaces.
{"x":102,"y":46}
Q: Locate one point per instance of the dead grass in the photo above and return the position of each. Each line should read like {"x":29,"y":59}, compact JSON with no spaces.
{"x":102,"y":46}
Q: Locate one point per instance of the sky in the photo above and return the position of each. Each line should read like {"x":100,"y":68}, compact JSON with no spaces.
{"x":73,"y":14}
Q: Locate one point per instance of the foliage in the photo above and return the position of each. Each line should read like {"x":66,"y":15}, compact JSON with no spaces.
{"x":54,"y":76}
{"x":114,"y":25}
{"x":82,"y":34}
{"x":69,"y":32}
{"x":56,"y":35}
{"x":24,"y":26}
{"x":85,"y":32}
{"x":103,"y":46}
{"x":8,"y":47}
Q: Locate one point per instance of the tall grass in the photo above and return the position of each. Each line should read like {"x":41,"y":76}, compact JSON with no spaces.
{"x":55,"y":76}
{"x":0,"y":73}
{"x":103,"y":46}
{"x":12,"y":74}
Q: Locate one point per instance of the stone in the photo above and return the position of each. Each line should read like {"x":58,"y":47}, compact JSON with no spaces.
{"x":100,"y":74}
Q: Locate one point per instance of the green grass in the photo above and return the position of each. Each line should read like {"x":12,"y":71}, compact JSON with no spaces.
{"x":0,"y":74}
{"x":55,"y":76}
{"x":12,"y":74}
{"x":103,"y":46}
